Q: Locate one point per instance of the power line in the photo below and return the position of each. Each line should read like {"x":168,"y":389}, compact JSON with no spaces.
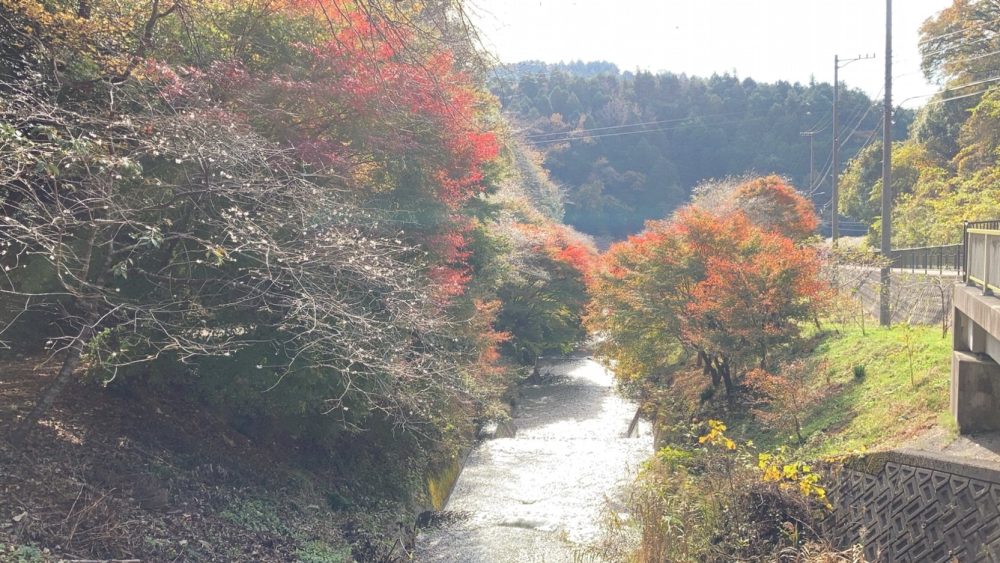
{"x":977,"y":83}
{"x":860,"y":121}
{"x":829,"y":167}
{"x":829,"y":202}
{"x":960,"y":61}
{"x":859,"y":111}
{"x":976,"y":58}
{"x":682,"y":126}
{"x":911,"y":73}
{"x":838,"y":63}
{"x":959,"y":87}
{"x":958,"y":46}
{"x":871,"y":137}
{"x":959,"y":97}
{"x":949,"y":34}
{"x":628,"y":125}
{"x":826,"y":120}
{"x":819,"y":182}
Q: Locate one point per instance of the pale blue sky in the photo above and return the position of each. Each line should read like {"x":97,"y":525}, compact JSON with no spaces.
{"x":765,"y":39}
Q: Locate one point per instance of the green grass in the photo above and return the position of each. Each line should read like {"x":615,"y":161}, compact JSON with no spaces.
{"x":880,"y":408}
{"x":256,"y":515}
{"x":321,"y":552}
{"x":21,"y":554}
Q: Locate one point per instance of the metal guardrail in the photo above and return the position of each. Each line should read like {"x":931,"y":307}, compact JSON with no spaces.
{"x":927,"y":258}
{"x":981,"y":242}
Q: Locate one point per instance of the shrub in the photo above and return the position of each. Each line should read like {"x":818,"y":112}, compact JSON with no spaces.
{"x":859,"y":372}
{"x":717,"y":501}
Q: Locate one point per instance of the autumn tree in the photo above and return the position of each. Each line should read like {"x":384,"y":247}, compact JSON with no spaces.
{"x":543,"y":267}
{"x":204,"y":241}
{"x":961,"y":42}
{"x":637,"y":295}
{"x":279,"y":193}
{"x":717,"y":283}
{"x":752,"y":299}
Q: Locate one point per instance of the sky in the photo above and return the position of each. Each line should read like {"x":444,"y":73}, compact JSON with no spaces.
{"x":766,"y":40}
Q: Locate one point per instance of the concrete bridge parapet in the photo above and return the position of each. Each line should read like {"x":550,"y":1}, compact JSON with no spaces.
{"x":975,"y":373}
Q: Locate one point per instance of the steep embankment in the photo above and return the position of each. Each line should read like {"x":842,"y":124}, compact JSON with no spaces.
{"x":875,"y":389}
{"x":158,"y":478}
{"x":862,"y":390}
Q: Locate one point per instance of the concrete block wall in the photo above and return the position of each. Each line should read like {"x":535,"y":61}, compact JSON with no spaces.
{"x":915,"y":507}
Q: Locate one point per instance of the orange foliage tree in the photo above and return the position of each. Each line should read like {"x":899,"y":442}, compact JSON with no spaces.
{"x":728,"y":285}
{"x":773,"y":204}
{"x":544,"y":299}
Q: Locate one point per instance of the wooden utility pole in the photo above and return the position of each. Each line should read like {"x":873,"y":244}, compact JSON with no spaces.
{"x":884,"y":313}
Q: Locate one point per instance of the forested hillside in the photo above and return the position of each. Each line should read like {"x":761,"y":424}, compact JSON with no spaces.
{"x":629,"y":147}
{"x":946,"y":170}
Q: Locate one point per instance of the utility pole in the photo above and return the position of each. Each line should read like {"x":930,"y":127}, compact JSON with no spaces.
{"x":884,"y":314}
{"x":812,"y":159}
{"x":838,"y":63}
{"x":834,"y":195}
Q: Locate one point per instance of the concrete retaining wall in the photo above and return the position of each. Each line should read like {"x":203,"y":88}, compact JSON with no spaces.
{"x":905,"y":506}
{"x":915,"y":297}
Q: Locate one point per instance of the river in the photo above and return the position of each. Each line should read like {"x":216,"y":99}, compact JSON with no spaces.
{"x":539,"y":496}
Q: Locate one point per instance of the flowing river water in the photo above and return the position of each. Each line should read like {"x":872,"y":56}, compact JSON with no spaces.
{"x":540,"y":496}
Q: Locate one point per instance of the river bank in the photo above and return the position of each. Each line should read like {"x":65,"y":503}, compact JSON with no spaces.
{"x":541,"y":494}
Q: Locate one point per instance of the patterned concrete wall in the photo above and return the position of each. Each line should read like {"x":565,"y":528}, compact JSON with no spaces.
{"x":914,"y":507}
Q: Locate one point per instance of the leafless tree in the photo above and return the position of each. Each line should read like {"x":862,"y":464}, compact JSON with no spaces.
{"x":186,"y":234}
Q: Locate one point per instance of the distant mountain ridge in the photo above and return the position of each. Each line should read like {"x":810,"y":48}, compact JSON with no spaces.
{"x":585,"y":69}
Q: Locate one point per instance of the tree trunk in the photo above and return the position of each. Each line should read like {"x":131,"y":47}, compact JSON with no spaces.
{"x":75,"y":351}
{"x":708,"y":369}
{"x":727,"y":378}
{"x":50,"y":395}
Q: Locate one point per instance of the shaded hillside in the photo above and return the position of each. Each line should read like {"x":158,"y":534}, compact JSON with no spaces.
{"x":629,"y":147}
{"x":158,"y":477}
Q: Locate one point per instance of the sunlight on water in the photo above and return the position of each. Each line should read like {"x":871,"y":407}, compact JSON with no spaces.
{"x":539,"y":496}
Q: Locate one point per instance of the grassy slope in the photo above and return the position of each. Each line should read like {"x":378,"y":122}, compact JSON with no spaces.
{"x":883,"y":409}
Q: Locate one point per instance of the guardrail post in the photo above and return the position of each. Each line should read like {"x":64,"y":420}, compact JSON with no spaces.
{"x":965,"y":252}
{"x":986,"y":264}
